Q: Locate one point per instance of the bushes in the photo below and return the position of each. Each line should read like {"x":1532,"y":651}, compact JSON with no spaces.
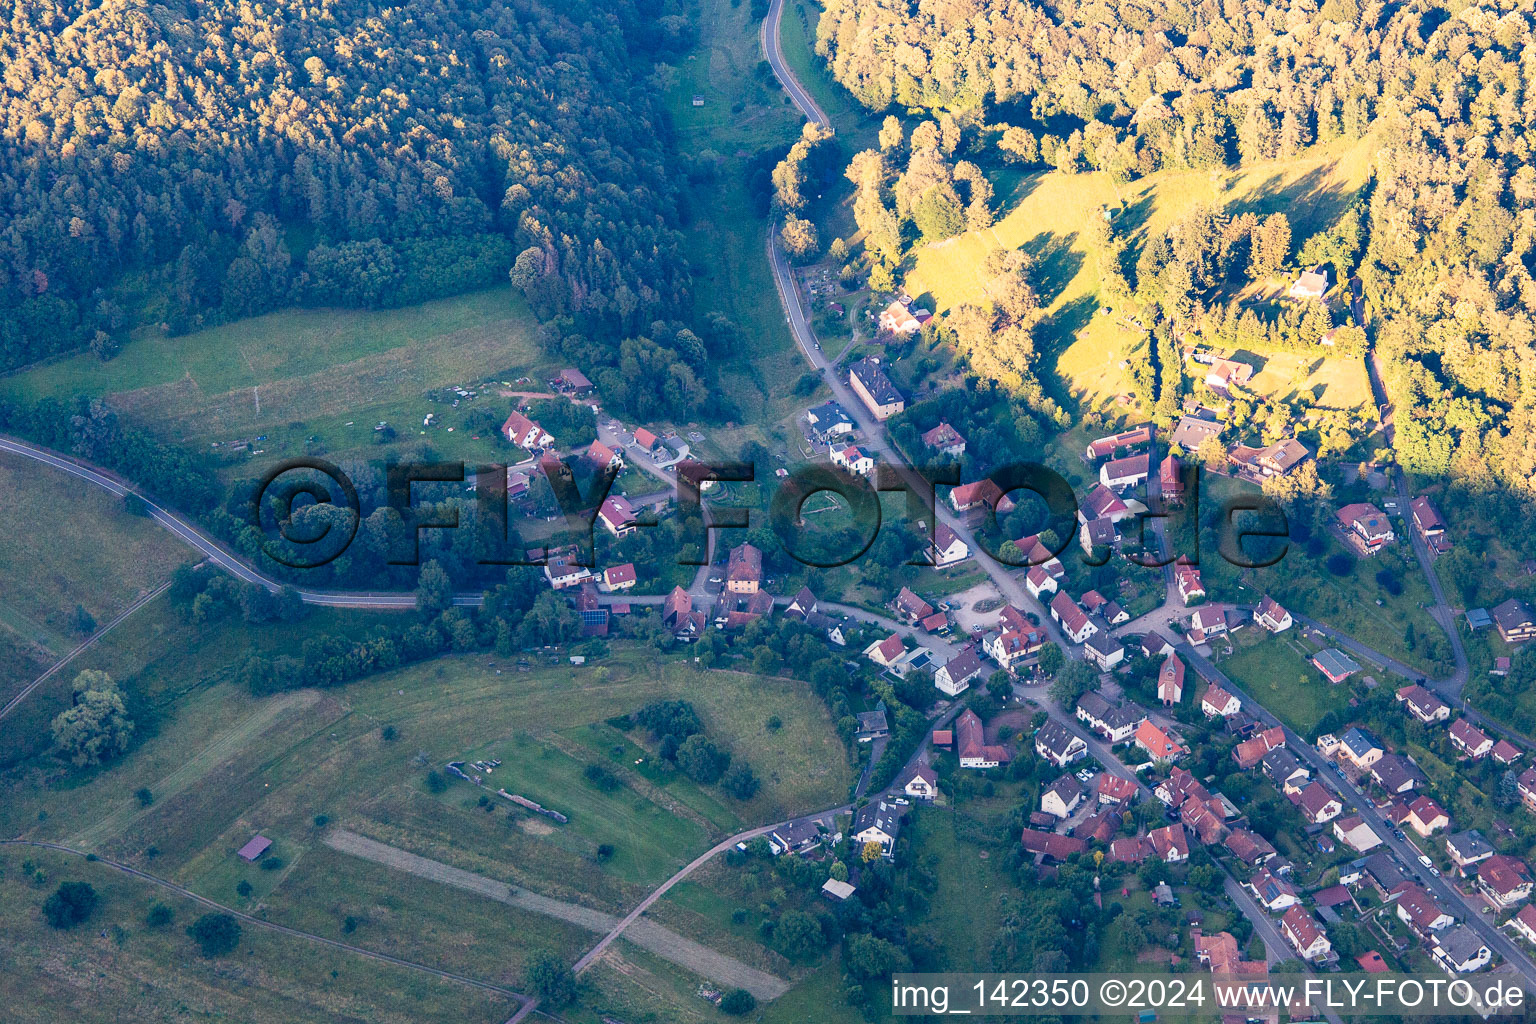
{"x":71,"y":904}
{"x":738,"y":1002}
{"x":602,"y":778}
{"x":215,"y":934}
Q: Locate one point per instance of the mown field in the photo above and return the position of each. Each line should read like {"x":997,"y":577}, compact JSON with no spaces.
{"x":64,"y":543}
{"x":329,"y":374}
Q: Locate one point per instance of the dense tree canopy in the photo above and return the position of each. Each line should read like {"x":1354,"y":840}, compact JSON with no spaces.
{"x":247,"y":156}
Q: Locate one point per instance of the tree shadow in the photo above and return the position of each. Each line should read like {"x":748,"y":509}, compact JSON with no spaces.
{"x":1253,"y":359}
{"x":1056,"y":263}
{"x":1310,"y":203}
{"x":1053,"y":336}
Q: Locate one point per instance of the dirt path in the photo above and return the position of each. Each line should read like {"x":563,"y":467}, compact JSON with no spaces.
{"x":199,"y":765}
{"x":648,"y":935}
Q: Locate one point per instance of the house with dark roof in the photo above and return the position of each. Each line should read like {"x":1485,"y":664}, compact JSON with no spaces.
{"x":1461,"y":951}
{"x":618,"y":516}
{"x":1103,"y":649}
{"x":828,"y":420}
{"x":1514,"y":620}
{"x":872,"y":725}
{"x":868,"y":380}
{"x":802,"y":605}
{"x":879,"y":822}
{"x":1191,"y":430}
{"x":1249,"y":847}
{"x":920,"y":783}
{"x":1470,"y":740}
{"x":1467,"y":849}
{"x":1334,"y":664}
{"x":1419,"y":702}
{"x":1103,"y":503}
{"x":947,"y":548}
{"x":1059,"y":745}
{"x":1397,"y":774}
{"x":796,"y":837}
{"x":955,"y":676}
{"x":1115,"y":722}
{"x":1285,"y":770}
{"x":1122,"y":474}
{"x":1273,"y":893}
{"x":1097,"y":534}
{"x":1061,"y":797}
{"x":1429,"y":524}
{"x":1360,"y":748}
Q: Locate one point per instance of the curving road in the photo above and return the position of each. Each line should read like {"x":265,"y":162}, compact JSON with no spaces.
{"x":144,"y":876}
{"x":768,"y":39}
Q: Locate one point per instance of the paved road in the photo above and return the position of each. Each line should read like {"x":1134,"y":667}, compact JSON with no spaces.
{"x":768,"y":39}
{"x":59,"y":665}
{"x":282,"y":929}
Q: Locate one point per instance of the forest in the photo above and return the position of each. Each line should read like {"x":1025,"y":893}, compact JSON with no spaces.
{"x":185,"y":163}
{"x":1441,"y":237}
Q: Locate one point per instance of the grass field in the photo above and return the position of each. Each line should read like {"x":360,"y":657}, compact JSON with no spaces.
{"x":322,"y":372}
{"x":64,"y":544}
{"x":117,"y":968}
{"x":1277,"y":673}
{"x":1048,"y":212}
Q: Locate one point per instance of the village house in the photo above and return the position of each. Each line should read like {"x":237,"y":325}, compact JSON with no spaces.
{"x":1096,"y":535}
{"x":910,"y":608}
{"x":1514,"y":620}
{"x":1359,"y":748}
{"x":1275,"y":894}
{"x":1013,"y":647}
{"x":1317,"y":804}
{"x":1504,"y":880}
{"x":677,"y":614}
{"x":589,"y":610}
{"x":1169,"y":844}
{"x":563,"y":572}
{"x":618,"y":516}
{"x":1103,"y":503}
{"x":744,"y":570}
{"x":1037,"y":581}
{"x":1206,"y":623}
{"x":1366,"y":526}
{"x":1121,"y":474}
{"x":1130,"y":851}
{"x":574,"y":381}
{"x":947,"y":548}
{"x":1059,"y":745}
{"x":1270,"y":616}
{"x":971,"y":744}
{"x":1219,"y":703}
{"x":1460,"y":950}
{"x":525,"y":433}
{"x":1397,"y":774}
{"x":945,"y":440}
{"x":888,"y":652}
{"x":1225,"y":375}
{"x":1158,"y":743}
{"x":1423,"y":705}
{"x":1038,"y":555}
{"x":1506,"y":752}
{"x":1062,"y":797}
{"x":955,"y":676}
{"x":921,"y":783}
{"x":1249,"y":847}
{"x":802,"y":605}
{"x":1278,"y":459}
{"x":604,"y":458}
{"x":796,"y":838}
{"x":1190,"y":431}
{"x":897,"y":318}
{"x":827,"y":420}
{"x":1418,"y":910}
{"x":1050,"y":847}
{"x":1073,"y":620}
{"x":1101,"y":826}
{"x":1113,"y":791}
{"x":1170,"y":482}
{"x":873,"y":725}
{"x":1470,"y":740}
{"x":1354,"y":833}
{"x":1178,"y":787}
{"x":1431,"y":528}
{"x":979,"y":494}
{"x":1170,"y":681}
{"x":1188,"y":579}
{"x":1285,"y":770}
{"x":1103,"y":649}
{"x":1526,"y":785}
{"x":1305,"y":935}
{"x":1467,"y":849}
{"x":1115,"y":722}
{"x":617,"y":577}
{"x":852,"y":459}
{"x":1311,"y":285}
{"x":1250,"y":752}
{"x":1525,"y":922}
{"x":1107,"y":446}
{"x":645,"y":440}
{"x":1427,"y":817}
{"x":878,"y":822}
{"x":1334,"y":664}
{"x":875,"y":389}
